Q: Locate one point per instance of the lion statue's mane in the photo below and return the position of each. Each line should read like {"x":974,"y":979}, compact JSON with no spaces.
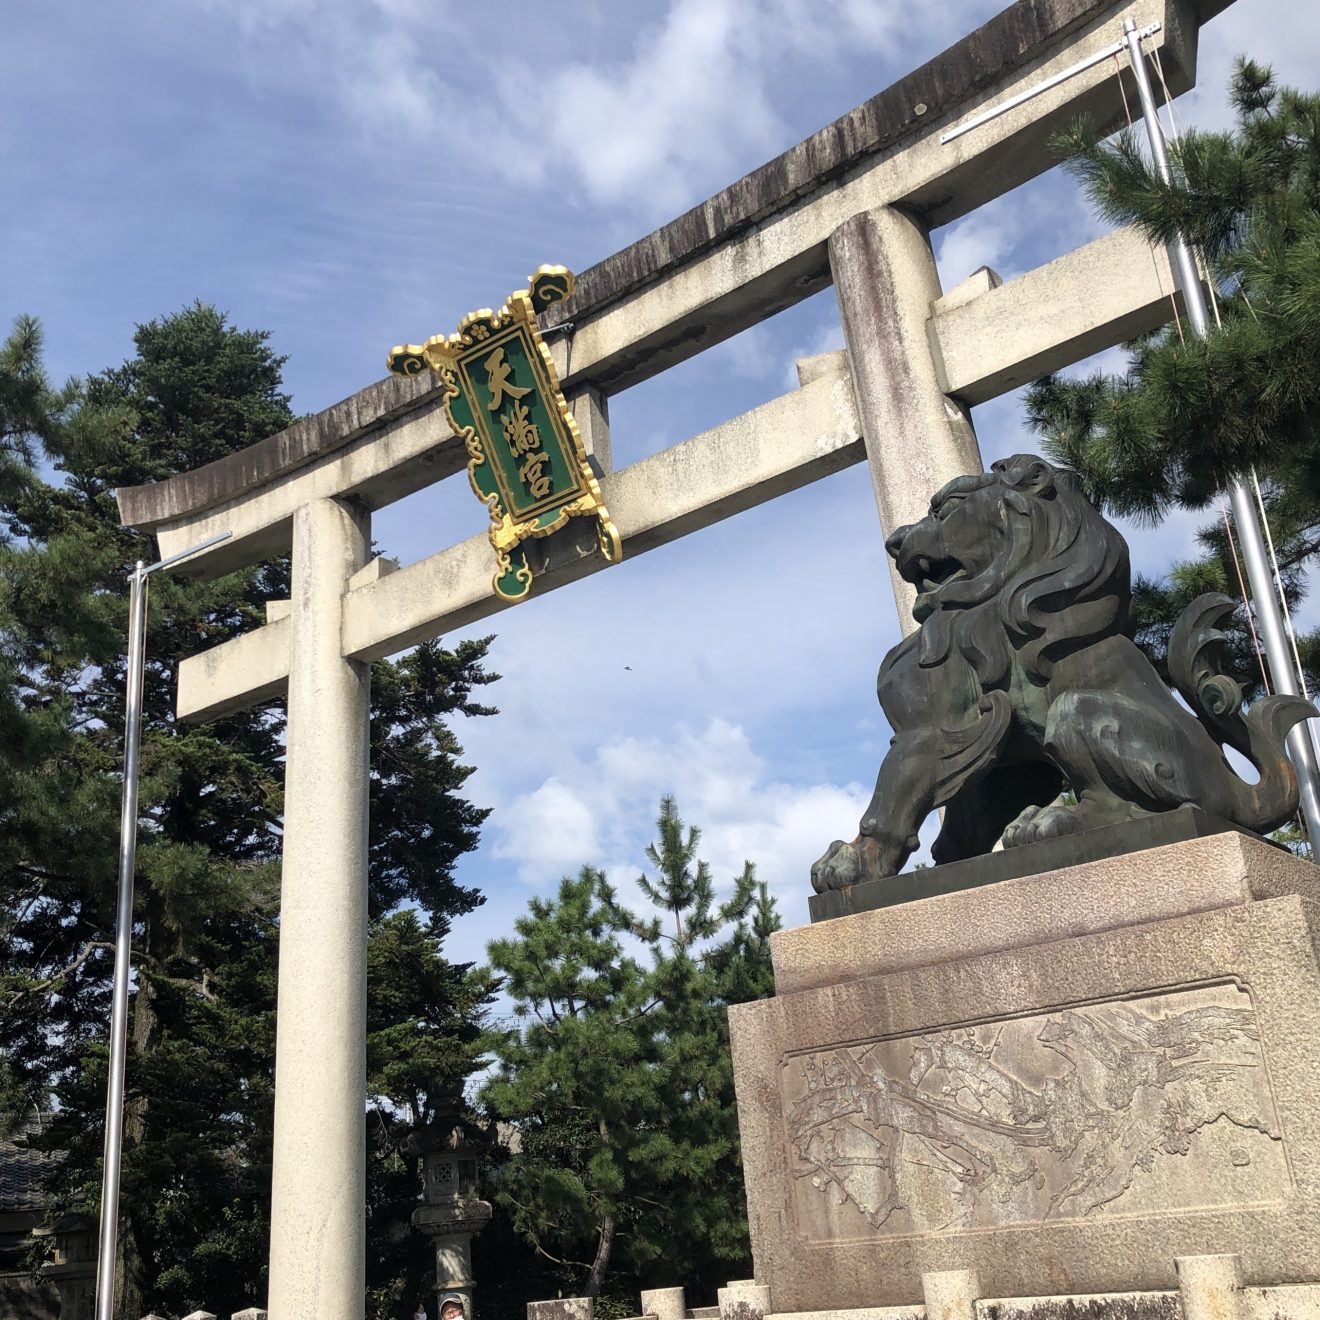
{"x":1060,"y":579}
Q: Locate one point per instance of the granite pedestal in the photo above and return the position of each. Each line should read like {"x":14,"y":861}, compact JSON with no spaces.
{"x":1061,"y":1082}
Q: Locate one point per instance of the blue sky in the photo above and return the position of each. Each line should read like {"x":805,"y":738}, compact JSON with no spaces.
{"x":349,"y":175}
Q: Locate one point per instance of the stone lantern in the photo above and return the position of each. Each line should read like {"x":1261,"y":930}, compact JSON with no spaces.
{"x":73,"y":1269}
{"x":452,"y":1213}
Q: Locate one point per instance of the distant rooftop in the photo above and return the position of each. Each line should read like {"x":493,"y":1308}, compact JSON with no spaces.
{"x":21,"y":1169}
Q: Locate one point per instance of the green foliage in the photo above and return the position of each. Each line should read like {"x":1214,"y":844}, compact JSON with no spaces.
{"x":1188,"y":415}
{"x":198,"y":1130}
{"x":619,"y":1081}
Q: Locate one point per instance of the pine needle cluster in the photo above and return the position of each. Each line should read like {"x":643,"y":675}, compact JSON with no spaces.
{"x":1187,"y":415}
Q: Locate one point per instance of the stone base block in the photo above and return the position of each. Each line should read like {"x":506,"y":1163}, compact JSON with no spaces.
{"x":1060,"y":1084}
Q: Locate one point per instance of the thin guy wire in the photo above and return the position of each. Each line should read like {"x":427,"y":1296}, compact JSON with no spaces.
{"x":1202,"y":262}
{"x":1278,"y":584}
{"x":1246,"y":603}
{"x":1203,"y":272}
{"x":1154,"y":259}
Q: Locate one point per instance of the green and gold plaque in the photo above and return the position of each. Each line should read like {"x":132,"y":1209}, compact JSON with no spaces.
{"x":526,"y":461}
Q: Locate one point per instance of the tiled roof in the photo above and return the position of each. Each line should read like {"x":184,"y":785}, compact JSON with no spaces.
{"x":21,"y":1169}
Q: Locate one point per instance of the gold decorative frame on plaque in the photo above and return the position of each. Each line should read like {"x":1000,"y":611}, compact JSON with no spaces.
{"x":526,"y":461}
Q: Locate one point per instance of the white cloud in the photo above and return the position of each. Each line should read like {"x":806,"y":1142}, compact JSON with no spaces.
{"x":682,"y":104}
{"x":1283,"y":34}
{"x":551,"y":824}
{"x":984,"y":238}
{"x":601,"y":810}
{"x":697,"y":100}
{"x":749,"y":355}
{"x":643,"y":110}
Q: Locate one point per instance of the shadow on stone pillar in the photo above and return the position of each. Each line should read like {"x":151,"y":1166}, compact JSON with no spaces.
{"x":744,"y":1299}
{"x":73,"y":1271}
{"x":453,"y":1212}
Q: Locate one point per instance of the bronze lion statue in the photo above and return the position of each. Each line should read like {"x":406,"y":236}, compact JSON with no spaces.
{"x":1023,"y":680}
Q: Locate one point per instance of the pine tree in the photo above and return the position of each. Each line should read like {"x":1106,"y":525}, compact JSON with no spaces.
{"x":1187,"y":415}
{"x":620,"y":1083}
{"x":196,"y":1169}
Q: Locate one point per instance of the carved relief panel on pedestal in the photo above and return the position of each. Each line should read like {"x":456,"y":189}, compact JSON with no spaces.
{"x":1102,"y":1109}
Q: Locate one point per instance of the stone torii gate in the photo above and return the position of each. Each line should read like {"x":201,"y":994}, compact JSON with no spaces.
{"x":853,"y":206}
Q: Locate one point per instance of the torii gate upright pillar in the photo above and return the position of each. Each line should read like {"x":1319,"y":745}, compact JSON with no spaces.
{"x":917,"y":438}
{"x":318,"y":1193}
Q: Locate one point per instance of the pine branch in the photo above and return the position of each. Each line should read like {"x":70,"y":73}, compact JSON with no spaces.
{"x":67,"y":970}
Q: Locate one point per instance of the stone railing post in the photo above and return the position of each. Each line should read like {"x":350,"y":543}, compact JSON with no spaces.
{"x":743,"y":1299}
{"x":664,"y":1303}
{"x":951,"y":1294}
{"x":1209,"y":1286}
{"x":562,"y":1308}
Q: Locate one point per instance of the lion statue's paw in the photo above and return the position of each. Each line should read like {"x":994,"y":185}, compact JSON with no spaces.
{"x":1037,"y":823}
{"x":840,"y":867}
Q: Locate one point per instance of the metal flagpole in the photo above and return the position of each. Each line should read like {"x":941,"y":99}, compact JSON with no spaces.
{"x":114,"y":1091}
{"x":1269,"y":615}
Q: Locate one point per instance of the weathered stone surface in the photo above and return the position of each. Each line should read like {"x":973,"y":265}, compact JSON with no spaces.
{"x":318,"y":1257}
{"x":1068,"y":1115}
{"x":664,"y":1303}
{"x":789,"y":442}
{"x":1110,"y":1306}
{"x":916,"y":438}
{"x":1295,"y":1302}
{"x":902,"y":111}
{"x":1209,"y":1286}
{"x":1194,"y":876}
{"x":562,"y":1308}
{"x":748,"y":252}
{"x":1101,"y":294}
{"x":1012,"y":1121}
{"x":743,"y":1299}
{"x":1298,"y":1302}
{"x":994,"y":868}
{"x":914,"y":1312}
{"x":950,"y":1294}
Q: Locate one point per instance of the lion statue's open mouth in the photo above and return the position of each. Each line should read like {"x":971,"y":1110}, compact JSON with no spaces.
{"x":1023,"y":679}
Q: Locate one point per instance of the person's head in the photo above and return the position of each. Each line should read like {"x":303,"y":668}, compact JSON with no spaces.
{"x":452,"y":1308}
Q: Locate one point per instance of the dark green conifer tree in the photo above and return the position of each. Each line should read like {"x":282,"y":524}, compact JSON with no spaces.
{"x":619,"y":1082}
{"x":196,"y":1170}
